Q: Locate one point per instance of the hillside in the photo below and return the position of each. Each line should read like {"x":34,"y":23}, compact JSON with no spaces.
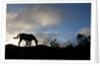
{"x":45,"y":52}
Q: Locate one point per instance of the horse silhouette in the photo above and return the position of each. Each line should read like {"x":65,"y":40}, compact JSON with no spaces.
{"x":27,"y":38}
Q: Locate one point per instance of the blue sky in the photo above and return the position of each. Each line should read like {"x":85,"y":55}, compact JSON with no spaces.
{"x":73,"y":18}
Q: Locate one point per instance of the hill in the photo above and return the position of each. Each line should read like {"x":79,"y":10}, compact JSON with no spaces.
{"x":45,"y":52}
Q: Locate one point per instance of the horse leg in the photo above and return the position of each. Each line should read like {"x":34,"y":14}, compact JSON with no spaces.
{"x":29,"y":43}
{"x":26,"y":43}
{"x":36,"y":42}
{"x":19,"y":42}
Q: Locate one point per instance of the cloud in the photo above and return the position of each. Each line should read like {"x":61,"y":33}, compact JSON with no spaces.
{"x":68,"y":42}
{"x":45,"y":36}
{"x":84,"y":31}
{"x":34,"y":16}
{"x":34,"y":19}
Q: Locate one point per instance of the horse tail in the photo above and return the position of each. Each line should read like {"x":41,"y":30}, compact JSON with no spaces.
{"x":16,"y":37}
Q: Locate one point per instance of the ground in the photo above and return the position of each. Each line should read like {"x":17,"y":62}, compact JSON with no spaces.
{"x":45,"y":52}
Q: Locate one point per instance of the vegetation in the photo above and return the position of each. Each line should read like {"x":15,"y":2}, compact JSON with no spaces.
{"x":79,"y":52}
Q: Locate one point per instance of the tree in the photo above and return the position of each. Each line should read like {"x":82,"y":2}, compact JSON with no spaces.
{"x":82,"y":39}
{"x":53,"y":43}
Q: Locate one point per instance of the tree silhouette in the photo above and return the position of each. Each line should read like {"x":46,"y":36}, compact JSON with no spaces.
{"x":82,"y":39}
{"x":53,"y":43}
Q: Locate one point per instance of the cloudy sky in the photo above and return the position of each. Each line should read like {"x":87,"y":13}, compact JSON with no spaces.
{"x":48,"y":21}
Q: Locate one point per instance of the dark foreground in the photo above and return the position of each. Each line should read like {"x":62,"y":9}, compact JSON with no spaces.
{"x":44,"y":52}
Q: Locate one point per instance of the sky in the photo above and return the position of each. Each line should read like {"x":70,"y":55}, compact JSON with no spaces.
{"x":48,"y":21}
